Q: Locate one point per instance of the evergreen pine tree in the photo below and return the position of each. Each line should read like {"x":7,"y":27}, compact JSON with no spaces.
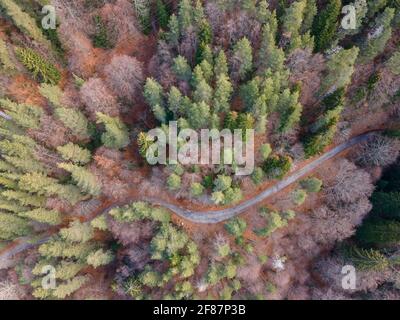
{"x":12,"y":226}
{"x":221,"y":65}
{"x":185,"y":15}
{"x":100,"y":258}
{"x":325,"y":25}
{"x":74,"y":120}
{"x":162,"y":14}
{"x":222,"y":94}
{"x":367,"y":259}
{"x":51,"y":217}
{"x":116,"y":133}
{"x":67,"y":288}
{"x":242,"y":58}
{"x":378,"y":36}
{"x":379,"y":232}
{"x":74,"y":153}
{"x":340,"y":69}
{"x":77,"y":232}
{"x":84,"y":179}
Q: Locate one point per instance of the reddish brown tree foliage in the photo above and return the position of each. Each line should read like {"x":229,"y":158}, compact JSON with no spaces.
{"x":306,"y":68}
{"x":160,"y":65}
{"x":347,"y":184}
{"x":120,"y":21}
{"x":331,"y":225}
{"x":51,"y":133}
{"x":131,"y":233}
{"x":97,"y":98}
{"x":188,"y":45}
{"x":124,"y":76}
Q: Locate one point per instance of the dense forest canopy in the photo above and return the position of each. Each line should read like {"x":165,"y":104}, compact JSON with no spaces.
{"x":84,"y":84}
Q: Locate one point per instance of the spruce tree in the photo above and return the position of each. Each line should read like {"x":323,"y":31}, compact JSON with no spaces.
{"x":340,"y":68}
{"x":172,"y":36}
{"x":52,"y":93}
{"x":378,"y":36}
{"x":24,"y":198}
{"x":66,"y":270}
{"x":24,"y":115}
{"x":74,"y":120}
{"x":222,"y":94}
{"x":12,"y":226}
{"x":367,"y":259}
{"x":175,"y":100}
{"x":242,"y":58}
{"x":51,"y":217}
{"x":290,"y":110}
{"x":74,"y":153}
{"x":310,"y":12}
{"x":5,"y":61}
{"x":116,"y":135}
{"x":77,"y":232}
{"x":41,"y":69}
{"x":325,"y":25}
{"x":162,"y":14}
{"x":379,"y":232}
{"x":292,"y":22}
{"x":23,"y":21}
{"x":100,"y":258}
{"x":221,"y":65}
{"x":36,"y":182}
{"x":199,"y":115}
{"x":67,"y":288}
{"x":387,"y":204}
{"x":394,"y":63}
{"x":202,"y":92}
{"x":84,"y":179}
{"x":153,"y":93}
{"x":269,"y":55}
{"x":185,"y":15}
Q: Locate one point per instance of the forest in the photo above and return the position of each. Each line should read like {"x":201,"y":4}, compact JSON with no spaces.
{"x":84,"y":85}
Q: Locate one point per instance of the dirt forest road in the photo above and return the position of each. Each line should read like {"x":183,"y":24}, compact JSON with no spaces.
{"x":216,"y":216}
{"x":208,"y":217}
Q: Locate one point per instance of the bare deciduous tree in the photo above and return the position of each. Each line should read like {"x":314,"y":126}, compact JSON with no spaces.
{"x":120,"y":21}
{"x":331,"y":225}
{"x":188,"y":45}
{"x":348,"y":185}
{"x":97,"y":98}
{"x":9,"y":291}
{"x":124,"y":76}
{"x":378,"y":151}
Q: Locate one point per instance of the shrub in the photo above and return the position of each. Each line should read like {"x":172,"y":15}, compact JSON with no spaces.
{"x":265,"y":151}
{"x":311,"y":184}
{"x":299,"y":196}
{"x":236,"y":227}
{"x":174,"y":182}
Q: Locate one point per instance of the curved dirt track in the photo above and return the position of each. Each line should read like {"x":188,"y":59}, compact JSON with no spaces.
{"x":210,"y":217}
{"x":225,"y":214}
